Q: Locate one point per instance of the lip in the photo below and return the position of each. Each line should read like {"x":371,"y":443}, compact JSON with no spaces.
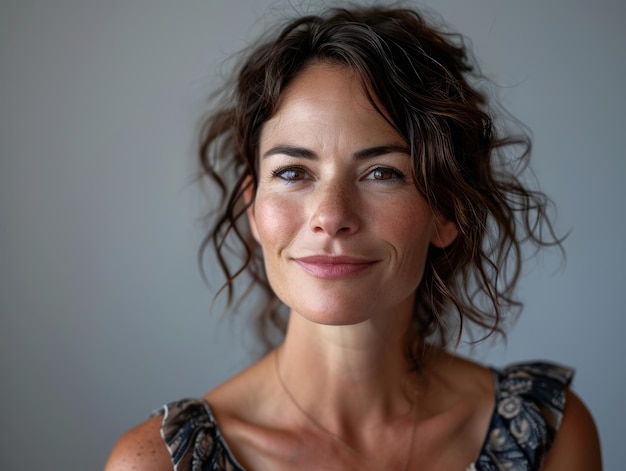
{"x":334,"y":266}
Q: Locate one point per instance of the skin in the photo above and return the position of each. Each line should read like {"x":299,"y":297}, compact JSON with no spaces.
{"x":334,"y":181}
{"x":343,"y":188}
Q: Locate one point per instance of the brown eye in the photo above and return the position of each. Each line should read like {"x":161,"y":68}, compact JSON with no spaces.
{"x":290,"y":174}
{"x":385,"y":174}
{"x":380,"y":174}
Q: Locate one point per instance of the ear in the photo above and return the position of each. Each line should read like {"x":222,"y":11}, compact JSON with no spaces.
{"x":446,"y":232}
{"x":248,"y":198}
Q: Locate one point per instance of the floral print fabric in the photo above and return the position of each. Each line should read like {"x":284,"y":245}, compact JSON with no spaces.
{"x":529,"y":403}
{"x":193,"y":438}
{"x":530,"y":399}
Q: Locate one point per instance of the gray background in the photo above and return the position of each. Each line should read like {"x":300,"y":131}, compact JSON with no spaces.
{"x":103,"y":313}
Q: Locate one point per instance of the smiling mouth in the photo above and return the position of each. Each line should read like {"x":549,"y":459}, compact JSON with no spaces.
{"x":334,"y":267}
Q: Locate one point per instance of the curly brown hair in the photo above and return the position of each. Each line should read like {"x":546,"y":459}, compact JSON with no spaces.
{"x":422,"y":79}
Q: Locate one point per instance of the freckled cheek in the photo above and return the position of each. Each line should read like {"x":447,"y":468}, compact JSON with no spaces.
{"x":410,"y":227}
{"x":277,"y":220}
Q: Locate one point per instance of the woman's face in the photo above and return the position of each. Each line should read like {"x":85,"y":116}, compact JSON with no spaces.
{"x":343,"y":229}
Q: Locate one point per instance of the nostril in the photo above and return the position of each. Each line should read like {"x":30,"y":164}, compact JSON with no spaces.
{"x":333,"y":211}
{"x":334,"y":222}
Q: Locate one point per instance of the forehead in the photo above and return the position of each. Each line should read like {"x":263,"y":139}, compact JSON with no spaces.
{"x":329,"y":100}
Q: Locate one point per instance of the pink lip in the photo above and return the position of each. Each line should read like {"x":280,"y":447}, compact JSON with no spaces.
{"x":334,"y":266}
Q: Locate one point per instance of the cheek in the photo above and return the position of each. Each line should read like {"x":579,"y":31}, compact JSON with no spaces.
{"x":410,"y":225}
{"x":409,"y":229}
{"x":276,"y":221}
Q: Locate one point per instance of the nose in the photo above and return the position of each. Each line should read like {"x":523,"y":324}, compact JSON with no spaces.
{"x":335,"y":210}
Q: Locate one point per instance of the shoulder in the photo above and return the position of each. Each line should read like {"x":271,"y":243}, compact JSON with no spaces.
{"x":182,"y":433}
{"x":533,"y":392}
{"x":539,"y":420}
{"x":140,"y":448}
{"x":577,"y":445}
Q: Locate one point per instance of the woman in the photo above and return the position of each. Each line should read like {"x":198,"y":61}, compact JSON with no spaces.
{"x":372,"y":195}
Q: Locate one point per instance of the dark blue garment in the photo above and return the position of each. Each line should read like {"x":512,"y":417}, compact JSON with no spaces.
{"x":530,"y":399}
{"x":529,"y":403}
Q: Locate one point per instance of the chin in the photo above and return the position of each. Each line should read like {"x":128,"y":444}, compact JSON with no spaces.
{"x":337,"y":313}
{"x":334,"y":319}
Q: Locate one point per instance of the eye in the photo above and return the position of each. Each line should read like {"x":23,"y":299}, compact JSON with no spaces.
{"x":290,"y":174}
{"x":385,"y":174}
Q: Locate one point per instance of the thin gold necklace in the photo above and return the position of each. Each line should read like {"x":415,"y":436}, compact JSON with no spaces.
{"x":336,"y":438}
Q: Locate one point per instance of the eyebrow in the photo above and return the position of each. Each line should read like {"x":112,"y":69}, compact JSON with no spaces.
{"x":369,"y":152}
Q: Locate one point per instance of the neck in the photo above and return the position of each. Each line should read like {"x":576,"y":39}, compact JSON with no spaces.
{"x":348,"y":376}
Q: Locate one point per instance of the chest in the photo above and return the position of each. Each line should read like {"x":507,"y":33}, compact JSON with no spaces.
{"x":434,"y":445}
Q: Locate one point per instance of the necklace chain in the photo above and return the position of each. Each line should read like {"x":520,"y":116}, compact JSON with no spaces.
{"x":336,"y":438}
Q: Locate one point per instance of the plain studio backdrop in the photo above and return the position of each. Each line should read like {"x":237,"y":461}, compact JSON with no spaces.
{"x":104,"y":314}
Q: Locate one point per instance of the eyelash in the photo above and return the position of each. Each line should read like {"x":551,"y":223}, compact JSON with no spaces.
{"x":395,"y":174}
{"x":281,"y":171}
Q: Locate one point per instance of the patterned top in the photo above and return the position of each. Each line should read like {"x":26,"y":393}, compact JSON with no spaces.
{"x":529,"y":403}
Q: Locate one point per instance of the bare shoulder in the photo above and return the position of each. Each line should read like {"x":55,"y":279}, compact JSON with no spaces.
{"x":245,"y":394}
{"x":140,"y":448}
{"x":576,"y":446}
{"x":463,"y":374}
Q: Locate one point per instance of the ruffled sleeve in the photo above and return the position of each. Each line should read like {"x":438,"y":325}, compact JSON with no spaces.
{"x":193,"y":439}
{"x":530,"y":399}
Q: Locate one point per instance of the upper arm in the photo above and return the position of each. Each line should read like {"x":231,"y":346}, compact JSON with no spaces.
{"x":141,"y":449}
{"x":576,"y":446}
